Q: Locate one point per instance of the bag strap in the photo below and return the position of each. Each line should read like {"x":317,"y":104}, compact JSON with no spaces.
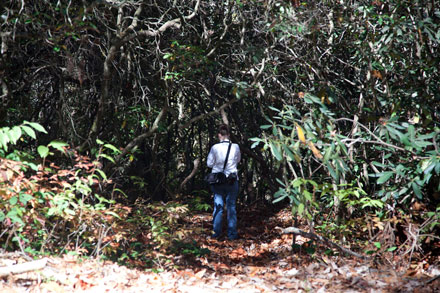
{"x":227,"y":156}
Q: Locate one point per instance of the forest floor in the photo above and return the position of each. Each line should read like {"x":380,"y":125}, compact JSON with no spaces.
{"x":262,"y":260}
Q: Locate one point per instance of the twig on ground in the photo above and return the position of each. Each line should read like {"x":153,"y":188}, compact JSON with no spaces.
{"x":23,"y":267}
{"x":309,"y":235}
{"x":432,"y":279}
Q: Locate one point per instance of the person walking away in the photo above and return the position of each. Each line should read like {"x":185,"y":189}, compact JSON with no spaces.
{"x":226,"y":191}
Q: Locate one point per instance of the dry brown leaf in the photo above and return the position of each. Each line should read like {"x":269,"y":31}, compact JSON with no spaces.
{"x":315,"y":151}
{"x":51,"y":287}
{"x":253,"y":270}
{"x":200,"y":274}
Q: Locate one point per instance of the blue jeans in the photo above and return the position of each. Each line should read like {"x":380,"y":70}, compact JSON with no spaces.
{"x":222,"y":192}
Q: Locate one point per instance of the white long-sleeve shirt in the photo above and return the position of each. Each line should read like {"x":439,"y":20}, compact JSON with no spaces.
{"x":217,"y":156}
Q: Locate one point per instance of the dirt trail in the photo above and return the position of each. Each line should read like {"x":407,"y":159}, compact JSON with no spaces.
{"x":260,"y":261}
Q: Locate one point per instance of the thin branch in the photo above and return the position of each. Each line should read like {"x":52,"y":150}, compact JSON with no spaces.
{"x":192,"y":174}
{"x":432,"y":279}
{"x":5,"y":90}
{"x":23,"y":267}
{"x":124,"y":37}
{"x":213,"y":112}
{"x":169,"y":24}
{"x":309,"y":235}
{"x":379,"y":141}
{"x":143,"y":136}
{"x":360,"y":140}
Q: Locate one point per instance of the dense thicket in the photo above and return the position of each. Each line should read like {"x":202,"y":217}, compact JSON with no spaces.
{"x":347,"y":93}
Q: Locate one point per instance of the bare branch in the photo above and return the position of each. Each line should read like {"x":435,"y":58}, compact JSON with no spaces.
{"x":23,"y":267}
{"x":202,"y":116}
{"x":378,"y":140}
{"x":192,"y":174}
{"x":316,"y":237}
{"x":143,"y":136}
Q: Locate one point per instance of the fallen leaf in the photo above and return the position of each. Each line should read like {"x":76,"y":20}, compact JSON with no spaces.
{"x":200,"y":274}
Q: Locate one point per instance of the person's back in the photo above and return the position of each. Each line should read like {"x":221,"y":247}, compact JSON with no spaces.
{"x":217,"y":156}
{"x":228,"y":190}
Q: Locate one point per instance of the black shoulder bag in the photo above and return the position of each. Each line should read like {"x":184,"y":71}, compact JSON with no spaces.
{"x":220,"y":177}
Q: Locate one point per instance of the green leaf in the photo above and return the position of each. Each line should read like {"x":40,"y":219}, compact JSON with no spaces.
{"x":279,"y":198}
{"x":328,"y":152}
{"x":404,"y":139}
{"x":422,"y":144}
{"x":417,"y":190}
{"x":275,"y":131}
{"x":307,"y":195}
{"x":437,"y":168}
{"x":378,"y":165}
{"x":31,"y":165}
{"x":285,"y":127}
{"x":394,"y":132}
{"x":103,"y":176}
{"x":13,"y":200}
{"x":265,"y":126}
{"x":113,"y":214}
{"x":384,"y":177}
{"x":273,"y":109}
{"x":297,"y":182}
{"x":69,"y":211}
{"x":289,"y":153}
{"x":59,"y":145}
{"x":4,"y":140}
{"x":343,"y":147}
{"x":412,"y":132}
{"x":426,"y":136}
{"x":167,"y":55}
{"x":397,"y":126}
{"x":280,"y":182}
{"x":107,"y":157}
{"x":332,"y":171}
{"x":430,"y":167}
{"x":275,"y":151}
{"x":111,"y":147}
{"x":24,"y":197}
{"x":310,"y":99}
{"x":16,"y":133}
{"x":36,"y":126}
{"x":377,"y":244}
{"x":255,"y":144}
{"x":301,"y":209}
{"x":43,"y":151}
{"x":391,"y":249}
{"x":14,"y":215}
{"x":29,"y":131}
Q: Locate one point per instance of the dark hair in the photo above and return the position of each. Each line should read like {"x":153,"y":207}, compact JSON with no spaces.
{"x":223,"y":130}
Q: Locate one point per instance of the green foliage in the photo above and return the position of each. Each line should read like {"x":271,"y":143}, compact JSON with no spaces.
{"x":412,"y":171}
{"x":188,"y":249}
{"x":348,"y":90}
{"x":197,"y":203}
{"x":320,"y":145}
{"x":152,"y":231}
{"x":349,"y":197}
{"x":184,"y":61}
{"x":300,"y":196}
{"x":13,"y":135}
{"x":36,"y":206}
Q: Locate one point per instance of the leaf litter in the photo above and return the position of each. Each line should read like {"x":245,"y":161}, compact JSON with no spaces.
{"x":261,"y":260}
